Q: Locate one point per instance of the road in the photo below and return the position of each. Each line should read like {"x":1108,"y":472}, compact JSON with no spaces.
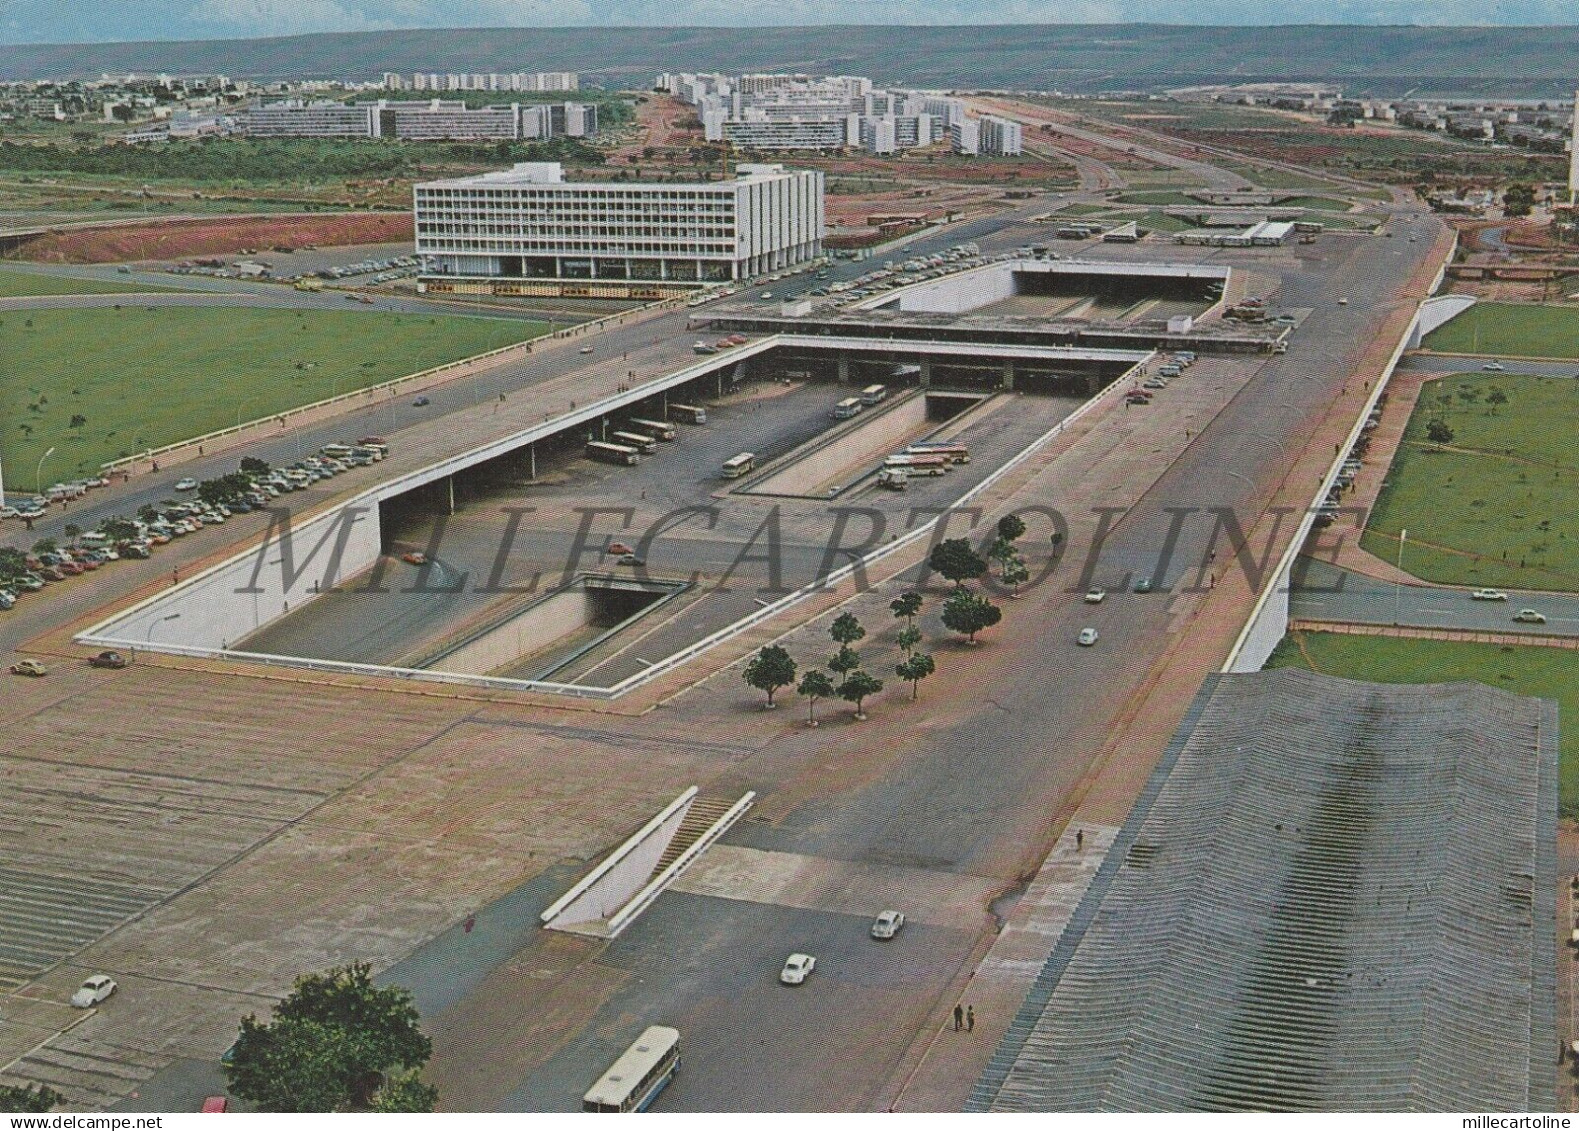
{"x":1457,"y":363}
{"x":1328,"y":593}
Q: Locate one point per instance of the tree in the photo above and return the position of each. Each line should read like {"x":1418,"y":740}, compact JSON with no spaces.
{"x":405,"y":1092}
{"x":78,"y":420}
{"x":814,"y":685}
{"x":1495,"y":398}
{"x":907,"y":605}
{"x":968,"y":613}
{"x":1014,"y":573}
{"x":856,"y":687}
{"x":16,"y":1100}
{"x":252,"y":465}
{"x":1438,"y":432}
{"x":909,"y":638}
{"x":45,"y":546}
{"x":118,"y":529}
{"x":291,"y":1065}
{"x":73,"y":532}
{"x":1011,"y":528}
{"x":147,"y":512}
{"x":769,"y":670}
{"x":845,"y":629}
{"x":330,"y":1043}
{"x":845,"y":661}
{"x":915,"y":668}
{"x":956,"y":560}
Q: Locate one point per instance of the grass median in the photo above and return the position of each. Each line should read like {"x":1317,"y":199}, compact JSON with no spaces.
{"x":33,"y":284}
{"x":1547,"y":673}
{"x":1493,"y":505}
{"x":100,"y":384}
{"x":1510,"y":329}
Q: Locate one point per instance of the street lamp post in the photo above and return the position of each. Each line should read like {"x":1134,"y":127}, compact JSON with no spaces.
{"x":150,"y":638}
{"x":1398,"y":582}
{"x":38,"y":473}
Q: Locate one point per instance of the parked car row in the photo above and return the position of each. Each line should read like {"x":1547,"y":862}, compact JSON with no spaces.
{"x":1171,"y":368}
{"x":35,"y":506}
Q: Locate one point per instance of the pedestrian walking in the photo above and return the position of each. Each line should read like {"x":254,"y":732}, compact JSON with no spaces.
{"x":959,"y":1018}
{"x":970,"y":1019}
{"x":1080,"y":840}
{"x":471,"y":921}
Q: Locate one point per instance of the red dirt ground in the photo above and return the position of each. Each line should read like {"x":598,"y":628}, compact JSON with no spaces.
{"x":217,"y":235}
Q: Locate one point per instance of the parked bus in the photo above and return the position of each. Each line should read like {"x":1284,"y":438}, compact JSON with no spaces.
{"x":335,"y":451}
{"x":956,"y":453}
{"x":688,"y":413}
{"x":847,"y":408}
{"x":739,"y":465}
{"x":874,"y":394}
{"x":613,"y":453}
{"x":657,"y":429}
{"x":646,"y":445}
{"x":919,"y":464}
{"x":633,"y":1082}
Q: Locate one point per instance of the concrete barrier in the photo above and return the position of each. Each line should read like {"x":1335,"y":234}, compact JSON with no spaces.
{"x":624,"y":873}
{"x":873,"y":434}
{"x":1435,"y":313}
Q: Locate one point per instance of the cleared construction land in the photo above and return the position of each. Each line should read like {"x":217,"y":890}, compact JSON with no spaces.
{"x":101,"y":384}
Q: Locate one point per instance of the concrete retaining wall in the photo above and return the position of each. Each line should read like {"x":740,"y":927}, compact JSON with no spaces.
{"x":878,"y":436}
{"x":532,"y":629}
{"x":1437,"y":312}
{"x":958,"y":293}
{"x":623,"y":873}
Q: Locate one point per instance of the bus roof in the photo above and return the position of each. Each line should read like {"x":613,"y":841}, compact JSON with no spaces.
{"x":649,"y":1048}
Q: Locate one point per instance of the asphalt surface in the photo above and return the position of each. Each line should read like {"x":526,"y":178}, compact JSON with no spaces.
{"x":1328,"y":593}
{"x":1475,"y":363}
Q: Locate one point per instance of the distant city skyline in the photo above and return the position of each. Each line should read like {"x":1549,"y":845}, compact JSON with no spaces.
{"x":106,"y":21}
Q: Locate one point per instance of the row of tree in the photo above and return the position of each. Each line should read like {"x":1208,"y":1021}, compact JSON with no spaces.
{"x":963,"y":611}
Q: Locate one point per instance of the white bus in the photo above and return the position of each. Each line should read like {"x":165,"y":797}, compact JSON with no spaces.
{"x":847,"y":408}
{"x":737,"y":466}
{"x":613,"y":453}
{"x":918,"y":463}
{"x":688,"y":413}
{"x":646,"y":445}
{"x":657,"y":429}
{"x":633,"y":1082}
{"x":873,"y":394}
{"x":956,"y":453}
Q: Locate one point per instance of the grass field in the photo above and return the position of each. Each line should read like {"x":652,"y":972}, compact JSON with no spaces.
{"x":18,"y":284}
{"x":1494,"y":507}
{"x":1510,"y":329}
{"x":1548,"y":673}
{"x":141,"y":377}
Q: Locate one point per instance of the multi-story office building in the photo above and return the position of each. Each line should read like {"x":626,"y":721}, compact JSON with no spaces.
{"x":530,"y":223}
{"x":449,"y":121}
{"x":1000,"y":137}
{"x":965,"y":136}
{"x":294,"y":118}
{"x":755,"y":132}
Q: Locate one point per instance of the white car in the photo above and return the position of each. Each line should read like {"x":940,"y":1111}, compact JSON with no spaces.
{"x":797,"y":968}
{"x":187,"y":484}
{"x":1529,"y":616}
{"x":1489,"y":595}
{"x":1096,"y":596}
{"x":1493,"y":367}
{"x":767,"y":295}
{"x":93,"y":991}
{"x":1087,"y":637}
{"x":888,"y":924}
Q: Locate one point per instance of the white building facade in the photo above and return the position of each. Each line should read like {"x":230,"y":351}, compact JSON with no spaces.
{"x":529,"y":223}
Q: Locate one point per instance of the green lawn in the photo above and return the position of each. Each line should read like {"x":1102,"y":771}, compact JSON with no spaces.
{"x":143,"y":377}
{"x":1547,"y":673}
{"x":20,"y":284}
{"x":1511,"y":329}
{"x":1162,"y":198}
{"x":1494,"y":507}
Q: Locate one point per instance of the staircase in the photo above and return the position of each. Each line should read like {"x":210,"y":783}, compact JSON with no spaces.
{"x":701,"y":816}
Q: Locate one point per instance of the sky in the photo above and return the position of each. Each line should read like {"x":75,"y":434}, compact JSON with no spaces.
{"x":97,"y":21}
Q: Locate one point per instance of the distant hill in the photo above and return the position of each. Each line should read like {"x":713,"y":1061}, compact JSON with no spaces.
{"x":1528,"y":61}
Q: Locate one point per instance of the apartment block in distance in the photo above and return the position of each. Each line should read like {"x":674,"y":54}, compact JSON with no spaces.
{"x":527,"y":230}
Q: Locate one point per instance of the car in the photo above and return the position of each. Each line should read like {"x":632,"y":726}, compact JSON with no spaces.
{"x":7,"y":599}
{"x":29,"y":667}
{"x":108,"y":660}
{"x":1489,"y":595}
{"x":1529,"y":616}
{"x":1137,"y":398}
{"x":1343,"y":302}
{"x":1493,"y":367}
{"x":1143,"y":585}
{"x":1087,"y":637}
{"x":421,"y":402}
{"x":797,"y":968}
{"x":187,"y":484}
{"x":888,"y":924}
{"x":586,"y":349}
{"x":416,"y":557}
{"x":215,"y":1105}
{"x":619,"y":548}
{"x":765,"y":295}
{"x":92,"y":991}
{"x":1154,"y":383}
{"x":632,"y":560}
{"x":1095,"y":596}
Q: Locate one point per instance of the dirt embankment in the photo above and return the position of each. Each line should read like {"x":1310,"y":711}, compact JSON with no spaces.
{"x":212,"y":235}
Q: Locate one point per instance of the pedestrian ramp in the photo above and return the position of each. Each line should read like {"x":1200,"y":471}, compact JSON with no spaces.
{"x":626,"y":882}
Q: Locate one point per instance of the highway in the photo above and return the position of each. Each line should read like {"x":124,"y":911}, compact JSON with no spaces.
{"x":1327,"y":593}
